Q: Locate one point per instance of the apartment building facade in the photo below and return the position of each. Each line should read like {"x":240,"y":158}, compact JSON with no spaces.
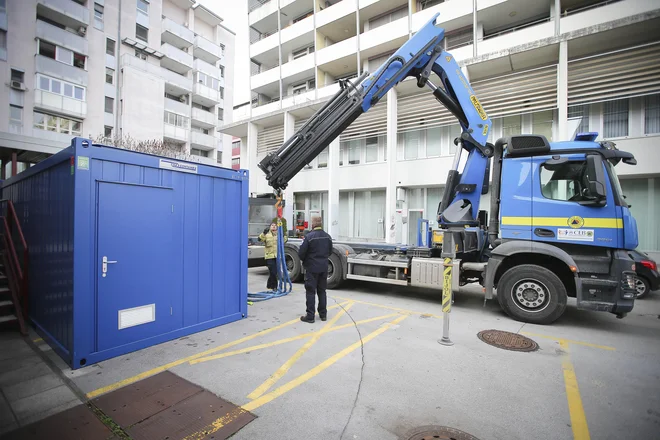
{"x":538,"y":66}
{"x":149,"y":70}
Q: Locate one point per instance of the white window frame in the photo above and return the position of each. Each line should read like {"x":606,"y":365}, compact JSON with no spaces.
{"x":110,"y":72}
{"x":50,"y":89}
{"x":114,"y":49}
{"x":62,"y":51}
{"x":58,"y":125}
{"x":140,"y":11}
{"x":20,"y":110}
{"x":98,"y":12}
{"x":643,"y":121}
{"x":137,"y":37}
{"x":175,"y":119}
{"x":630,"y":118}
{"x":105,"y":103}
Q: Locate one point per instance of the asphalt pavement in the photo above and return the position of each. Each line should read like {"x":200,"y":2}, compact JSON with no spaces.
{"x":375,"y":369}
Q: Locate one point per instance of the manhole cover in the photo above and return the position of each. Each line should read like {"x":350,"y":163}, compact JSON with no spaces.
{"x":439,"y":432}
{"x":507,"y":340}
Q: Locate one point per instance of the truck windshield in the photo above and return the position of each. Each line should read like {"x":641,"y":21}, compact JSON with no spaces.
{"x":616,"y":185}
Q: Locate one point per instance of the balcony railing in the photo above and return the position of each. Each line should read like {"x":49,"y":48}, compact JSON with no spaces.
{"x":60,"y":70}
{"x":55,"y":35}
{"x":207,"y":50}
{"x":204,"y":140}
{"x":256,"y":4}
{"x":182,"y":82}
{"x":173,"y":32}
{"x":206,"y":118}
{"x":68,"y":9}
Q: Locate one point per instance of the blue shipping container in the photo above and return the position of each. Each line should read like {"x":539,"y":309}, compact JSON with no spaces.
{"x":128,"y":250}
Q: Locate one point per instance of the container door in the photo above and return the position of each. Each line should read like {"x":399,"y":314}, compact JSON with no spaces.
{"x":136,"y":265}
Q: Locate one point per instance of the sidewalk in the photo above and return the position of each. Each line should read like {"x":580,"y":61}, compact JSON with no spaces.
{"x":29,"y":388}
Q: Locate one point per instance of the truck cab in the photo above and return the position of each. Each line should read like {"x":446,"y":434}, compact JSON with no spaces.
{"x":562,"y":210}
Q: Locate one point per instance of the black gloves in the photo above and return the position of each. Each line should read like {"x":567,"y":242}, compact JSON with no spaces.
{"x":266,"y":230}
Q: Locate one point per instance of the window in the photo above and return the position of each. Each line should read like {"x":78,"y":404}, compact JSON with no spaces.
{"x":46,"y":49}
{"x":15,"y":114}
{"x":302,"y":52}
{"x":511,"y":126}
{"x":198,"y":152}
{"x":565,"y":182}
{"x":580,"y":111}
{"x":107,"y":131}
{"x":61,"y":54}
{"x":222,"y":49}
{"x":236,"y":161}
{"x":140,"y":54}
{"x":110,"y":46}
{"x":652,"y":114}
{"x":209,"y":81}
{"x":109,"y":104}
{"x":176,"y":120}
{"x":323,"y":159}
{"x":98,"y":12}
{"x":615,"y":118}
{"x":142,"y":33}
{"x":222,"y":72}
{"x":109,"y":75}
{"x":3,"y":44}
{"x":57,"y":124}
{"x":60,"y":87}
{"x":222,"y":93}
{"x":542,"y":123}
{"x":433,"y":142}
{"x":17,"y":75}
{"x":221,"y":114}
{"x":411,"y":141}
{"x":143,"y":7}
{"x":354,"y":152}
{"x":3,"y":5}
{"x":372,"y":150}
{"x":388,"y":17}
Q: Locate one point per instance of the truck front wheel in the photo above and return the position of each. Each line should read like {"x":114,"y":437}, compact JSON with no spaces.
{"x":532,"y":294}
{"x":293,"y":264}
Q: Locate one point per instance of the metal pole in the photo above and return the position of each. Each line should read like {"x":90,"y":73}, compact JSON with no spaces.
{"x":448,"y":252}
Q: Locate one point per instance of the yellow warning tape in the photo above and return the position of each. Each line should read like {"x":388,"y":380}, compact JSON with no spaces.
{"x":446,"y":287}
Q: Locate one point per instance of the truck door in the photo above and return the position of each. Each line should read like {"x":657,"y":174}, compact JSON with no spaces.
{"x":560,"y":209}
{"x":516,"y":198}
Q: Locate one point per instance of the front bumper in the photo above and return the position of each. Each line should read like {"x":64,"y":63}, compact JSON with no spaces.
{"x":613,"y":292}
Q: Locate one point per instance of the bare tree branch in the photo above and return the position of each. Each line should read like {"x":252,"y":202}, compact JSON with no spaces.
{"x":158,"y":147}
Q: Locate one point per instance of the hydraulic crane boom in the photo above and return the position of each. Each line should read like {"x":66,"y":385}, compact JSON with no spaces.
{"x":418,"y":57}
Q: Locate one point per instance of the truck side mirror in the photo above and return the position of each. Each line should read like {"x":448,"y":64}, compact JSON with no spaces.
{"x":596,"y":179}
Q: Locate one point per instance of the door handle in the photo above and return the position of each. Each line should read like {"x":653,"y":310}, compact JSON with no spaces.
{"x":540,"y":232}
{"x":105,"y":265}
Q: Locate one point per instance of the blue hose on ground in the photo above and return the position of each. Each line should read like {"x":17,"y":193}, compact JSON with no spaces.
{"x":284,"y":285}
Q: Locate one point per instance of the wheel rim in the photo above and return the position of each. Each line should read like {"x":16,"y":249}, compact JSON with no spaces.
{"x":331,"y":268}
{"x":640,"y":287}
{"x":530,"y":295}
{"x":289,"y":262}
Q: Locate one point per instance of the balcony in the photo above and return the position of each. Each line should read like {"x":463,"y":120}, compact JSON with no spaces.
{"x":62,"y":38}
{"x":265,"y":78}
{"x":264,"y":46}
{"x":203,"y":118}
{"x":67,"y":12}
{"x":60,"y":104}
{"x":384,"y":37}
{"x":604,"y":12}
{"x":173,"y":132}
{"x":262,"y":13}
{"x":175,"y":59}
{"x":206,"y":50}
{"x":298,"y":30}
{"x":298,"y":69}
{"x":204,"y":67}
{"x":177,"y":107}
{"x":510,"y":38}
{"x":203,"y":141}
{"x":175,"y":83}
{"x":50,"y":67}
{"x":206,"y":96}
{"x":176,"y":34}
{"x":334,"y":13}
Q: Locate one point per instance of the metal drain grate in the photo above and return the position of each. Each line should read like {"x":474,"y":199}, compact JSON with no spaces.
{"x":507,"y":340}
{"x":439,"y":432}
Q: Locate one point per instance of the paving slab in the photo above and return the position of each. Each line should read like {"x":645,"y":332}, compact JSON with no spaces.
{"x":42,"y":402}
{"x":31,"y":387}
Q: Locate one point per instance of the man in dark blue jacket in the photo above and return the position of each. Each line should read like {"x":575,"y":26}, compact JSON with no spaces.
{"x":314,"y":252}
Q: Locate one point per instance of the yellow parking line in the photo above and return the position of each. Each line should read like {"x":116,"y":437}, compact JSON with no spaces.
{"x":268,"y":383}
{"x":285,"y":340}
{"x":251,"y":406}
{"x":570,"y":341}
{"x":575,"y":408}
{"x":162,"y":368}
{"x":410,"y":312}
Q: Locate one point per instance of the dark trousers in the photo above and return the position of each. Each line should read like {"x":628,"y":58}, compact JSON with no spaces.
{"x":272,"y":278}
{"x":315,"y":284}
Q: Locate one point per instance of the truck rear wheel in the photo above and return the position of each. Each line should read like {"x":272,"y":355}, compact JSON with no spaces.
{"x":532,"y":294}
{"x":335,"y":272}
{"x":293,"y":264}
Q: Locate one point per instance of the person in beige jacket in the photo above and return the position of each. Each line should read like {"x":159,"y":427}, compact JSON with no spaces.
{"x":269,"y":237}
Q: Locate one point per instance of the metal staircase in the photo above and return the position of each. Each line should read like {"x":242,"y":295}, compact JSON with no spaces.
{"x":13,"y":270}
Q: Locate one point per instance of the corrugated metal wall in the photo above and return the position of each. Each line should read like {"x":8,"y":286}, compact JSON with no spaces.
{"x":44,"y":206}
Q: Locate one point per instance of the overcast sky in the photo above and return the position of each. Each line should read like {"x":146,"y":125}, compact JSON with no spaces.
{"x":234,"y":16}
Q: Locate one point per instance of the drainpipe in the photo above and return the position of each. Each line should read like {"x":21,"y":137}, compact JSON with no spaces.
{"x":117,"y":69}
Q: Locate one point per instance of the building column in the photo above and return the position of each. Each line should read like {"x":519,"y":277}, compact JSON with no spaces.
{"x":289,"y":131}
{"x":555,"y":14}
{"x":390,"y":191}
{"x":475,"y":33}
{"x":332,"y":227}
{"x":562,"y":92}
{"x":249,"y":155}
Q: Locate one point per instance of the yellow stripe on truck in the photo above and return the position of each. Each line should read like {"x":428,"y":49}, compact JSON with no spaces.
{"x":562,"y":222}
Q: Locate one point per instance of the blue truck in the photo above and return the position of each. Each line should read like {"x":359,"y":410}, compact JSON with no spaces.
{"x":559,"y":224}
